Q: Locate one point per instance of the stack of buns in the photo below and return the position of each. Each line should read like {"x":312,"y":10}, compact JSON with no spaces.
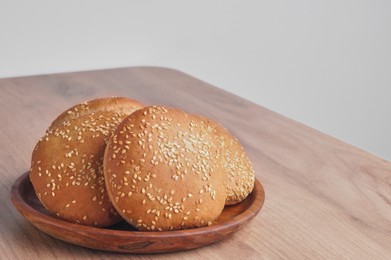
{"x":159,"y":168}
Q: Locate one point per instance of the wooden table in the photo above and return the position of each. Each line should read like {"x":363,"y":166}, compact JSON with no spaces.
{"x":324,"y":198}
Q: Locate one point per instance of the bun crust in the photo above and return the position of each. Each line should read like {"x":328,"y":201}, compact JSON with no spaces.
{"x":163,"y":172}
{"x":238,"y":168}
{"x":114,"y":104}
{"x":66,"y":169}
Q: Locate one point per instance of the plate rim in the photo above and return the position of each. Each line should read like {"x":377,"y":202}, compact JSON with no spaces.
{"x":25,"y":208}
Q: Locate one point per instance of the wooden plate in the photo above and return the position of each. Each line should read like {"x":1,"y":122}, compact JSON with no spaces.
{"x":124,"y":238}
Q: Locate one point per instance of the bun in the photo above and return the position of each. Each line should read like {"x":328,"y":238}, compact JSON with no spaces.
{"x":66,"y":169}
{"x":114,"y":104}
{"x":237,"y":166}
{"x":163,"y":172}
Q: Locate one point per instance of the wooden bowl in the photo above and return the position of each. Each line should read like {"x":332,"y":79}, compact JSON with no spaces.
{"x":124,"y":238}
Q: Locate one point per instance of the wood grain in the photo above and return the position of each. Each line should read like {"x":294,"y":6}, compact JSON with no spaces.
{"x":324,"y":198}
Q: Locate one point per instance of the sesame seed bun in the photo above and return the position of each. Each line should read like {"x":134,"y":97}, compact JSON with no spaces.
{"x":237,"y":166}
{"x":114,"y":104}
{"x":163,"y":172}
{"x":66,"y":169}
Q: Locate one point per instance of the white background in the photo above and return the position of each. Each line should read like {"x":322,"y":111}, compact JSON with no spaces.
{"x":326,"y":64}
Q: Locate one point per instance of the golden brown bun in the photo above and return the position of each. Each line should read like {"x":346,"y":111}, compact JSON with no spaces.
{"x":163,"y":172}
{"x":238,"y":168}
{"x":115,"y":104}
{"x":66,"y":170}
